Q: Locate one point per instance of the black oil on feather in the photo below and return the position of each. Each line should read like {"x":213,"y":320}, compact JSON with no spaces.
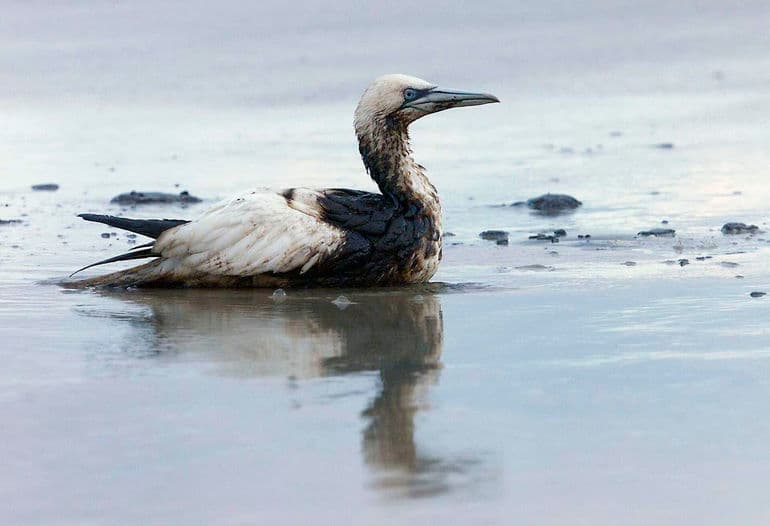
{"x":385,"y":238}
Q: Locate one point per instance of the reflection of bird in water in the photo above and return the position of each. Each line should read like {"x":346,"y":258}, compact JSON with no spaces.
{"x":404,"y":345}
{"x":246,"y":333}
{"x":300,"y":236}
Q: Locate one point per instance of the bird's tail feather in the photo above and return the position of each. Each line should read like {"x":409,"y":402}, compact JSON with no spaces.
{"x":146,"y":227}
{"x":142,"y":275}
{"x":134,"y":254}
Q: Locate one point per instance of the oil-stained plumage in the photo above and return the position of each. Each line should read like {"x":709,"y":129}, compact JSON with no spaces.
{"x":305,"y":237}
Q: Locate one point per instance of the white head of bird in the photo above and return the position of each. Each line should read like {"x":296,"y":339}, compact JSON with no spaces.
{"x":386,"y":109}
{"x":406,"y":99}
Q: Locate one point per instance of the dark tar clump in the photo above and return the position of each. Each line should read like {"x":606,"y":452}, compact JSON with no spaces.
{"x":498,"y":236}
{"x":658,"y":232}
{"x":739,"y":228}
{"x":143,"y":198}
{"x":551,"y":204}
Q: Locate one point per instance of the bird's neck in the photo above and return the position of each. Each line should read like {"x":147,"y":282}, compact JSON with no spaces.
{"x":385,"y":150}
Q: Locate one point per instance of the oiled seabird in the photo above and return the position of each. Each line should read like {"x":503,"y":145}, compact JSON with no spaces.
{"x":305,"y":237}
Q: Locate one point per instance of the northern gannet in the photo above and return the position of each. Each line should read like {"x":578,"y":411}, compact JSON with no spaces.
{"x":305,"y":237}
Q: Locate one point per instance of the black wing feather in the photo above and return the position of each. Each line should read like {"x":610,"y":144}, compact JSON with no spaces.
{"x":363,"y":212}
{"x":146,"y":227}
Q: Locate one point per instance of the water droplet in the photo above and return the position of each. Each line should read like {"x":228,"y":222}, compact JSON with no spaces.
{"x":342,"y":302}
{"x":279,"y":295}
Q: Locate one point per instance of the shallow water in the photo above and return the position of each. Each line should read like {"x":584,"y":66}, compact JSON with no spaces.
{"x":583,"y":382}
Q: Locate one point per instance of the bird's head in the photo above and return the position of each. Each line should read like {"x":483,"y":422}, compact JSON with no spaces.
{"x":405,"y":99}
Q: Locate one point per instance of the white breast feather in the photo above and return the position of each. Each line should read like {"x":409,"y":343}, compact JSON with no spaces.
{"x":251,"y":234}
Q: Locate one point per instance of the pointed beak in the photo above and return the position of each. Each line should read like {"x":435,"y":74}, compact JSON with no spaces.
{"x":439,"y":99}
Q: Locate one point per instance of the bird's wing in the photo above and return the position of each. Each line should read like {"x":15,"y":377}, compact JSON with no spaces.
{"x":364,"y":212}
{"x":254,"y":233}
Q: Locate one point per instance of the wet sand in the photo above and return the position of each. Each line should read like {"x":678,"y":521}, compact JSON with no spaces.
{"x":597,"y":380}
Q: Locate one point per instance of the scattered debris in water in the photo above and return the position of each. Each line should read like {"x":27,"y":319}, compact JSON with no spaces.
{"x":545,"y":237}
{"x":584,"y":236}
{"x":560,"y":232}
{"x":728,"y":264}
{"x":738,"y":228}
{"x":143,"y":198}
{"x":629,"y":263}
{"x":536,"y":268}
{"x":10,"y":221}
{"x":664,"y":222}
{"x":664,"y":145}
{"x":551,"y":204}
{"x":342,"y":302}
{"x":448,"y":234}
{"x":738,"y":276}
{"x":757,"y":294}
{"x":683,"y":262}
{"x":46,"y":187}
{"x":105,"y":235}
{"x":498,"y":236}
{"x":703,"y":258}
{"x":658,"y":232}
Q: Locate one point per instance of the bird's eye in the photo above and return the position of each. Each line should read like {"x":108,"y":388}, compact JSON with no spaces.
{"x":410,"y":94}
